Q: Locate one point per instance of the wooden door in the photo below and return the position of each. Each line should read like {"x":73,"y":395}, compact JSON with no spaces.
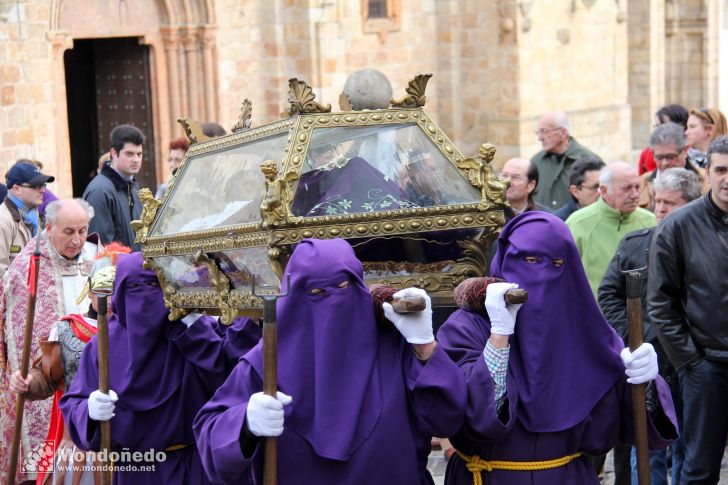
{"x":107,"y":84}
{"x":123,"y":96}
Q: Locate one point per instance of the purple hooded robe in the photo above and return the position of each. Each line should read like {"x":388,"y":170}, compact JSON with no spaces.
{"x":162,"y":373}
{"x":566,"y":391}
{"x":363,"y":407}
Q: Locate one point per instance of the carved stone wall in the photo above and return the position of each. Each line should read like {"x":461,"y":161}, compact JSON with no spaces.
{"x":36,"y":34}
{"x":498,"y":64}
{"x":646,"y":66}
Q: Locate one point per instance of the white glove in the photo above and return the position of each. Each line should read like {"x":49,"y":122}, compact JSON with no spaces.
{"x":265,"y":414}
{"x":101,"y":406}
{"x":502,"y":315}
{"x":415,"y":327}
{"x":640,"y":365}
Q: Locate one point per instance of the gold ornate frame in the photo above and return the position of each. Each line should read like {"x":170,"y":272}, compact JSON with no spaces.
{"x":278,"y":229}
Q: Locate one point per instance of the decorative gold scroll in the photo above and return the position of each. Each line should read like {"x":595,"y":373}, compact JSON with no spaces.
{"x":301,"y":97}
{"x":415,"y":93}
{"x":473,"y":263}
{"x":244,"y":121}
{"x":221,"y":284}
{"x":169,"y":291}
{"x":345,"y":103}
{"x":193,"y":130}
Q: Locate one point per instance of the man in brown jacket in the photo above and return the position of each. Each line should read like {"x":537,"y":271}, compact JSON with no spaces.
{"x":19,"y":218}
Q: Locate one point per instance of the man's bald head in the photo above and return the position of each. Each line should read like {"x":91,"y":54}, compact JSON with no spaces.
{"x":557,"y":119}
{"x":67,"y":225}
{"x":553,"y":132}
{"x":619,"y":186}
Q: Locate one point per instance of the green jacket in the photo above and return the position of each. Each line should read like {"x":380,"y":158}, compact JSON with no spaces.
{"x":553,"y":173}
{"x":598,"y":230}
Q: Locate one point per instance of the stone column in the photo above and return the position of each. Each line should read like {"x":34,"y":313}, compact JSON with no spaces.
{"x":171,"y":40}
{"x":181,"y":64}
{"x":209,"y":84}
{"x":646,"y":30}
{"x":193,"y":74}
{"x":60,"y":43}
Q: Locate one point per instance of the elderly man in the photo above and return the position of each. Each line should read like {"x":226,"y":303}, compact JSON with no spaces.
{"x":53,"y":371}
{"x":583,"y":186}
{"x":669,"y":149}
{"x":67,"y":253}
{"x":559,"y":151}
{"x":598,"y":228}
{"x":674,"y":188}
{"x":523,"y":177}
{"x":688,"y":306}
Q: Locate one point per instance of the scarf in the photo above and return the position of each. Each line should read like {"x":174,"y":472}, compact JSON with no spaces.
{"x":31,"y":218}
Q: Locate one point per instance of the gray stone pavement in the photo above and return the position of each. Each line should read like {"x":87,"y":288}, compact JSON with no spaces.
{"x":436,"y":464}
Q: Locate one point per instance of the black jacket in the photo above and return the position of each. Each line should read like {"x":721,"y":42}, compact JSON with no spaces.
{"x":633,"y":254}
{"x":116,"y":204}
{"x":687,"y":290}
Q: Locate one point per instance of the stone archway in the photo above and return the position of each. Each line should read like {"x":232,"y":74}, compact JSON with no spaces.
{"x":181,"y":38}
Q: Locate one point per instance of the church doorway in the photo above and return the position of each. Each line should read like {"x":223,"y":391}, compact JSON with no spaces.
{"x":108,"y":83}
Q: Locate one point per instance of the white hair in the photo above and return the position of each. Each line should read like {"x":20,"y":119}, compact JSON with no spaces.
{"x":607,"y":174}
{"x":676,"y":178}
{"x":562,"y":121}
{"x":51,"y":211}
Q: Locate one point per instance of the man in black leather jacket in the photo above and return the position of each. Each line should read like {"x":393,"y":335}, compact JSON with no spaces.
{"x":674,"y":188}
{"x":687,"y":300}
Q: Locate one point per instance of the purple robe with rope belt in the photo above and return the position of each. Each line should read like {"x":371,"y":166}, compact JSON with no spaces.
{"x":363,"y":406}
{"x":162,"y":372}
{"x":566,"y":391}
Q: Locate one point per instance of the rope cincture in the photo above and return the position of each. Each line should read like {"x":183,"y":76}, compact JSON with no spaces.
{"x":476,"y":465}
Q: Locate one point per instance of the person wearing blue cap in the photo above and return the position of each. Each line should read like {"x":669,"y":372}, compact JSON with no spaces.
{"x":19,"y":217}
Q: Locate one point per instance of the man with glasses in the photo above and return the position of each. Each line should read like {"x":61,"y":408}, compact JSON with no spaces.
{"x":559,"y":152}
{"x":523,"y":177}
{"x":19,"y":217}
{"x":583,"y":186}
{"x":598,"y":228}
{"x":669,"y":150}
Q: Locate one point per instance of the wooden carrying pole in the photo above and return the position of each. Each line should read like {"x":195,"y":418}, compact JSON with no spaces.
{"x":417,"y":304}
{"x":639,"y":407}
{"x":270,"y":386}
{"x":270,"y":372}
{"x":102,"y":335}
{"x":25,"y":358}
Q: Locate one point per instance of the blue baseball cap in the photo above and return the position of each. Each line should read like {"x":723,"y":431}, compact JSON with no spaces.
{"x":26,"y":174}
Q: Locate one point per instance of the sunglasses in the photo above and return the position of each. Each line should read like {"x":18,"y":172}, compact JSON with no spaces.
{"x":28,"y":186}
{"x":707,"y":115}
